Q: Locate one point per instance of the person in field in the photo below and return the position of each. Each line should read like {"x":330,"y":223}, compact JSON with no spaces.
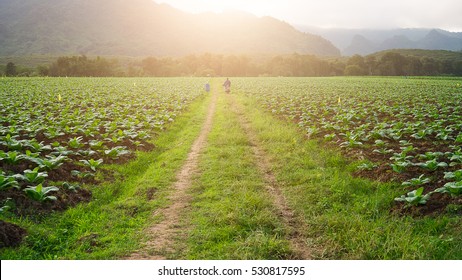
{"x":227,"y":85}
{"x":207,"y":87}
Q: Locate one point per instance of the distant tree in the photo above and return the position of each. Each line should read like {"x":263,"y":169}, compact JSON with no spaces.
{"x":354,"y":70}
{"x":413,"y":66}
{"x":231,"y":66}
{"x":392,"y":64}
{"x":356,"y":66}
{"x":457,"y":66}
{"x":151,"y":66}
{"x":42,"y":70}
{"x":281,"y":67}
{"x":429,"y":66}
{"x":134,"y":71}
{"x":274,"y":66}
{"x":81,"y":66}
{"x":357,"y":60}
{"x":10,"y":70}
{"x":371,"y":65}
{"x":337,"y":68}
{"x":446,"y":67}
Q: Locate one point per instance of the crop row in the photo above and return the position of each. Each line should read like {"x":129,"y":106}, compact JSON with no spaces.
{"x":407,"y":130}
{"x":56,"y":133}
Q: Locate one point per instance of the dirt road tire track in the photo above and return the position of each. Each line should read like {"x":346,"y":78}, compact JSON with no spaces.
{"x":293,"y":223}
{"x":163,"y":234}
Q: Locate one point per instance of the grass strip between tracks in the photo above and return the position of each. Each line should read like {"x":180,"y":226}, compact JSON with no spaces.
{"x":232,"y":215}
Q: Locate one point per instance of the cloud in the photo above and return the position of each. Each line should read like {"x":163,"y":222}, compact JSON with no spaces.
{"x":374,"y":14}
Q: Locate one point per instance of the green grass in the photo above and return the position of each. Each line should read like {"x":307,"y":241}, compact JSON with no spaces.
{"x":111,"y":225}
{"x":232,"y":215}
{"x":347,"y":217}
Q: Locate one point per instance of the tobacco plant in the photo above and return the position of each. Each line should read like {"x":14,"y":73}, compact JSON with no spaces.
{"x":40,"y":193}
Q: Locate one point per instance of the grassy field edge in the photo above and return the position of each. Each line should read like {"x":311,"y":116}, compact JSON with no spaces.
{"x":111,"y":226}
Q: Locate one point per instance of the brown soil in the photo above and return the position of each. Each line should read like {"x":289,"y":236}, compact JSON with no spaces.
{"x":162,"y":235}
{"x":10,"y":235}
{"x":438,"y":204}
{"x":65,"y":198}
{"x":25,"y":206}
{"x":292,"y":221}
{"x":383,"y":172}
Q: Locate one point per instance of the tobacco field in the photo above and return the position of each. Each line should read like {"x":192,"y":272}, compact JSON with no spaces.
{"x":56,"y":133}
{"x":403,"y":130}
{"x":280,"y":168}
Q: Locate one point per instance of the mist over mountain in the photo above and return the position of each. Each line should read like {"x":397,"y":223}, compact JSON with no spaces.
{"x":368,"y":41}
{"x":143,"y":28}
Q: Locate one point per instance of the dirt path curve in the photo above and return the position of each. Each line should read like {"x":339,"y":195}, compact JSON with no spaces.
{"x":162,"y":235}
{"x":294,"y":223}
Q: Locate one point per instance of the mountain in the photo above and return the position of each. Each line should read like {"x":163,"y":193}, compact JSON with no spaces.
{"x":143,"y":28}
{"x":360,"y":44}
{"x":438,"y":40}
{"x":367,"y":41}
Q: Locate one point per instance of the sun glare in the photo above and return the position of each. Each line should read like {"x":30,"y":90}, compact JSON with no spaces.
{"x":257,"y":7}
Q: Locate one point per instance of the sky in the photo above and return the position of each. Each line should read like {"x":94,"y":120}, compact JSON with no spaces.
{"x":384,"y":14}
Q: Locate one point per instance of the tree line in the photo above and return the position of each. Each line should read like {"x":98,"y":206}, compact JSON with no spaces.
{"x":395,"y":64}
{"x":294,"y":65}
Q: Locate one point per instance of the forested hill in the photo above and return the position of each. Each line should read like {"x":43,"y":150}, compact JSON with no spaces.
{"x":368,"y":41}
{"x":143,"y":28}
